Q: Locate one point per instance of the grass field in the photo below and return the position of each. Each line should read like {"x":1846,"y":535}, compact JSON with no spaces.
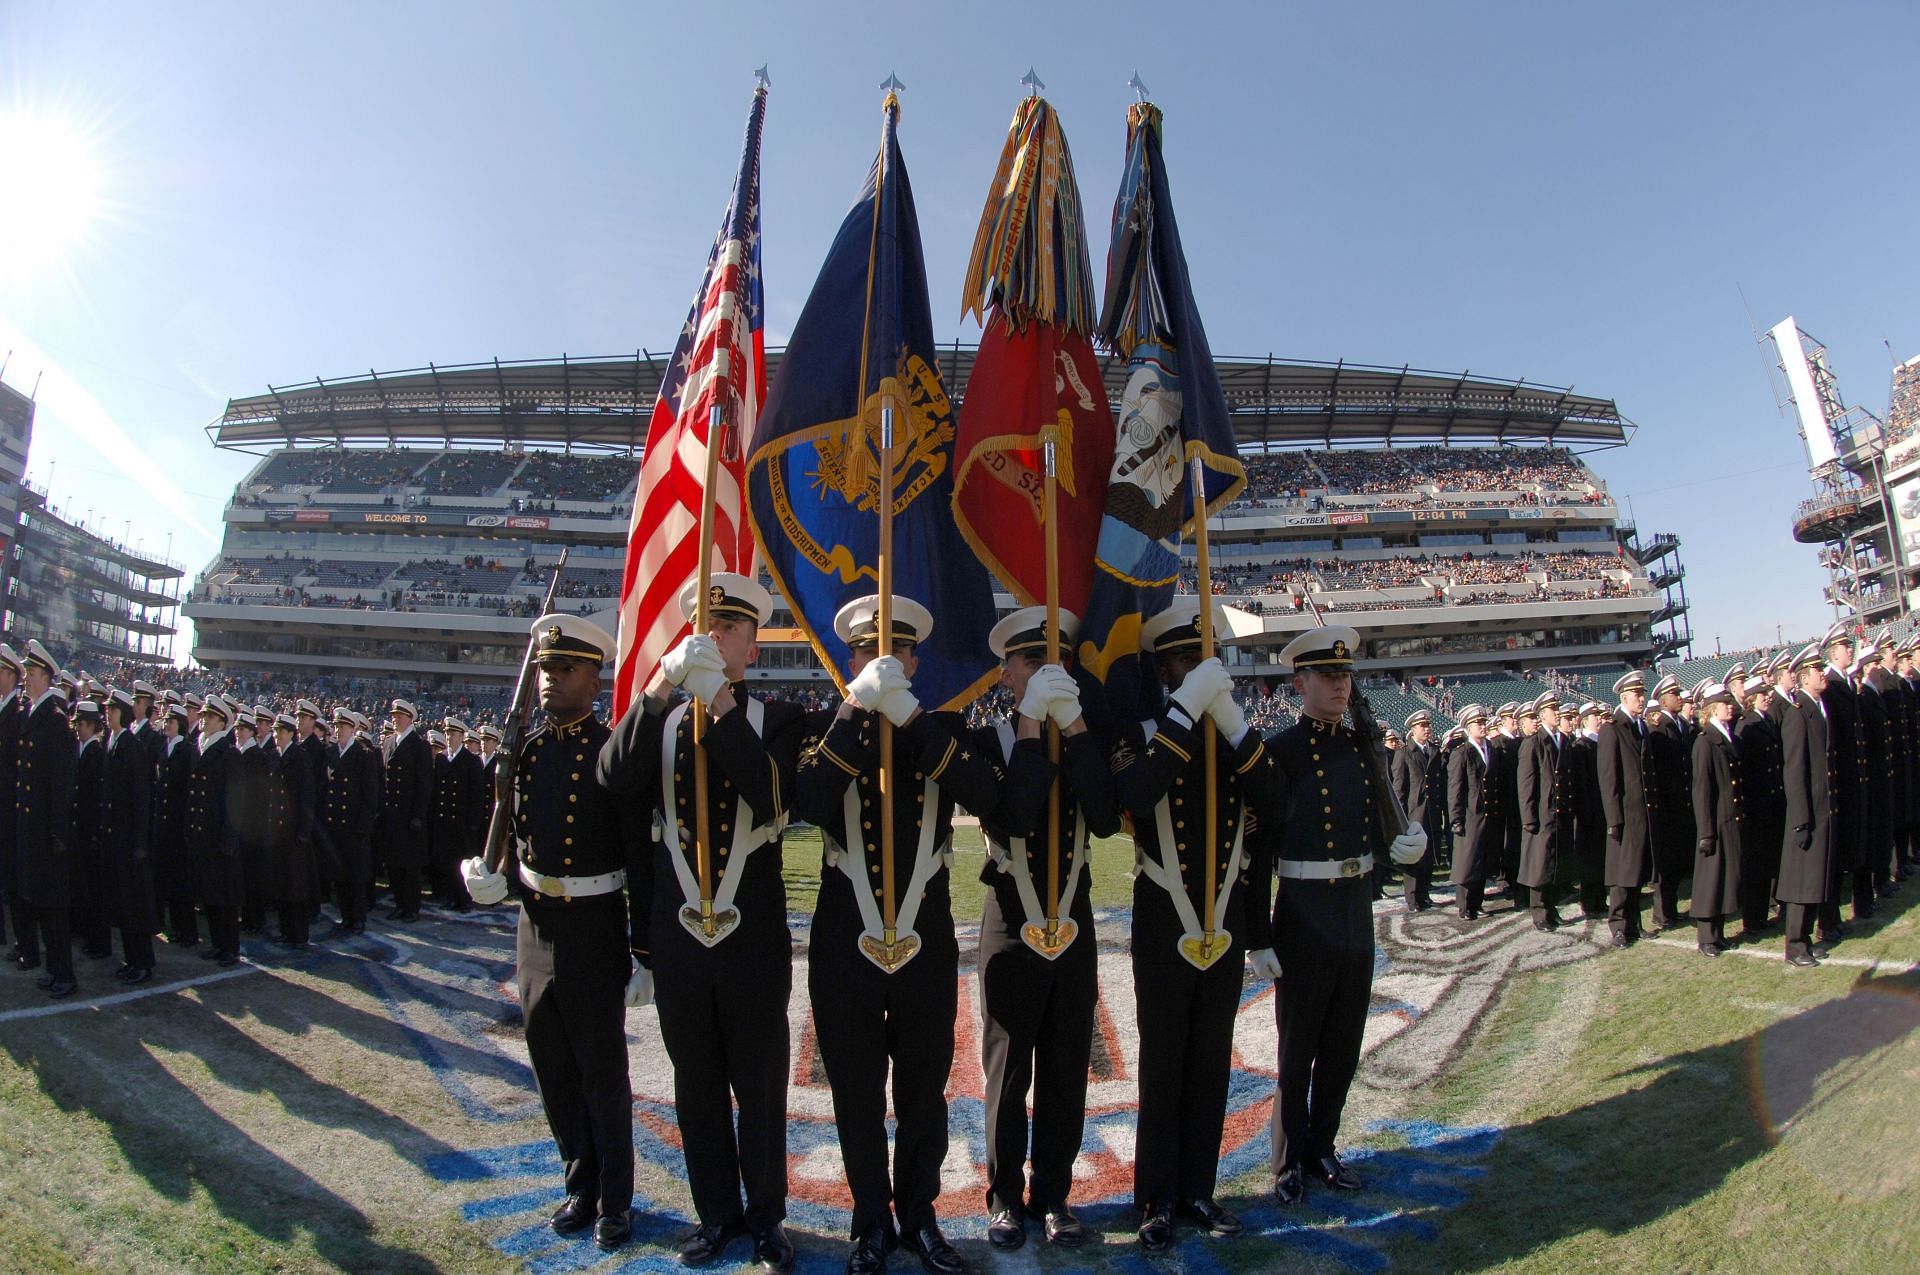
{"x":1556,"y":1107}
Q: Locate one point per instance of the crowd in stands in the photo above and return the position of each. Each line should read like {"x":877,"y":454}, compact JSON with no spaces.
{"x":1406,"y":571}
{"x":550,"y":476}
{"x":535,"y":480}
{"x":1451,"y":469}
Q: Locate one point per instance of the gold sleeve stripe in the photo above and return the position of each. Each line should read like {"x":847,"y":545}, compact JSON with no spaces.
{"x":953,"y":746}
{"x":1173,"y":748}
{"x":835,"y":758}
{"x":773,"y":773}
{"x":1253,"y":758}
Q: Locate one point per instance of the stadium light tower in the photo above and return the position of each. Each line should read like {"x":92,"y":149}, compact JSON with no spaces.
{"x":1854,"y":514}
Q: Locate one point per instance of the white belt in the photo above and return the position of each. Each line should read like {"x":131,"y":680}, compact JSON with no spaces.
{"x":1325,"y":869}
{"x":572,"y":887}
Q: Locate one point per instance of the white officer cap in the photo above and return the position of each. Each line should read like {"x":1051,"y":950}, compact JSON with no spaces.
{"x":858,"y":622}
{"x":1178,"y":628}
{"x":405,"y":706}
{"x":218,"y":705}
{"x":571,"y":637}
{"x":306,"y":706}
{"x":729,"y":596}
{"x":1026,"y":630}
{"x":1330,"y":647}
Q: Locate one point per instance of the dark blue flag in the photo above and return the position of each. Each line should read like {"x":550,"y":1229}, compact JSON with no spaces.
{"x":1173,"y":412}
{"x":864,"y":340}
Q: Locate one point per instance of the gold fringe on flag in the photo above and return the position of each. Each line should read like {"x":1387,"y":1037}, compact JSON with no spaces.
{"x":1030,"y":254}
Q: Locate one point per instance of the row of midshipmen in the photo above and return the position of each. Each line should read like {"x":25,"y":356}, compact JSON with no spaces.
{"x":1795,"y":784}
{"x":159,"y":814}
{"x":620,"y":892}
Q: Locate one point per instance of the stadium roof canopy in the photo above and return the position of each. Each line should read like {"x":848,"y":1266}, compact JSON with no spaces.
{"x":603,"y":403}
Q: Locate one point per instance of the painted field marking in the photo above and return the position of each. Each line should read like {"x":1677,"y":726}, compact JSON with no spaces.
{"x":122,"y":998}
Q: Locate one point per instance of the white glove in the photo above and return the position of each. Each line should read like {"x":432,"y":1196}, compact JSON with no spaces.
{"x":1065,"y":708}
{"x":1264,"y":964}
{"x":696,"y":650}
{"x":899,"y":704}
{"x":871,"y":684}
{"x":1226,"y":714}
{"x":484,"y":887}
{"x":1410,"y":846}
{"x":1204,"y":683}
{"x":1038,"y":699}
{"x":640,"y":987}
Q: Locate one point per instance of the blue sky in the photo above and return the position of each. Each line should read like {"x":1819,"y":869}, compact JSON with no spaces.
{"x":1575,"y":194}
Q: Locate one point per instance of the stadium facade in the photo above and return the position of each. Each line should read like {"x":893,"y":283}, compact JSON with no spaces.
{"x":402,"y":527}
{"x":86,"y":596}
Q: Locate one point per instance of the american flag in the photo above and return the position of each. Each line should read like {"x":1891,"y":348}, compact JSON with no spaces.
{"x":721,"y":360}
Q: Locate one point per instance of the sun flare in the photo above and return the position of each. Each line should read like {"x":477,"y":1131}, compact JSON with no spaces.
{"x":50,"y":192}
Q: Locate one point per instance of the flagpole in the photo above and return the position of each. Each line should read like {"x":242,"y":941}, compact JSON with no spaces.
{"x":1205,"y":587}
{"x":702,"y":854}
{"x":1049,"y":497}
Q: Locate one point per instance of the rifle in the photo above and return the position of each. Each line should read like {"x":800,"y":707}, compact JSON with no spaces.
{"x":507,"y":758}
{"x":1386,"y":804}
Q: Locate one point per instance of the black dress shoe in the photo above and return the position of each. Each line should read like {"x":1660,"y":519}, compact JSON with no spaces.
{"x":937,"y":1257}
{"x":773,"y":1250}
{"x":1709,"y":949}
{"x":62,"y":989}
{"x":1211,"y":1218}
{"x":1335,"y":1174}
{"x":1156,"y":1231}
{"x":574,"y":1216}
{"x":138,"y":977}
{"x":227,"y":960}
{"x":1064,"y":1229}
{"x":1802,"y":962}
{"x":1006,"y":1230}
{"x":44,"y":982}
{"x":869,"y":1255}
{"x":1291,"y":1186}
{"x":212,"y":954}
{"x":613,"y":1229}
{"x":705,"y":1244}
{"x":27,"y":962}
{"x":1618,"y":940}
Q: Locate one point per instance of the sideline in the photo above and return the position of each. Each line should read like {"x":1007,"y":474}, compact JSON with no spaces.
{"x":121,"y":998}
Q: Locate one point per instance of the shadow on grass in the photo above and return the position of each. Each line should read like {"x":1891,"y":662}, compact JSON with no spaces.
{"x":1686,"y":1125}
{"x":178,"y":1143}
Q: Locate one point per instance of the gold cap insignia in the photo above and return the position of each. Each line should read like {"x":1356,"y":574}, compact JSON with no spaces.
{"x":1340,"y":650}
{"x":553,"y":634}
{"x":716,"y":595}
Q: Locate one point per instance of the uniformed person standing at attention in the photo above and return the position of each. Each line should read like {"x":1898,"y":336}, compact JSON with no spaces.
{"x":1669,"y":763}
{"x":1765,"y":806}
{"x":872,"y":1005}
{"x":576,"y":844}
{"x":213,"y":832}
{"x":1847,"y":745}
{"x":126,"y":829}
{"x":43,"y":823}
{"x":1620,"y":766}
{"x":1719,"y":816}
{"x":1187,"y":980}
{"x":1547,"y":811}
{"x":1420,"y":784}
{"x":1328,"y":837}
{"x":1037,"y":996}
{"x":1503,"y":741}
{"x":722,"y":996}
{"x":351,"y":810}
{"x":13,"y":713}
{"x":405,"y":807}
{"x":1806,"y":775}
{"x":1877,"y":726}
{"x":1590,"y":817}
{"x":1473,"y":812}
{"x":91,"y":909}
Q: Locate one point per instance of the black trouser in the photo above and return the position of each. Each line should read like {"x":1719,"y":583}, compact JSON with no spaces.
{"x":1323,"y":935}
{"x":865,"y":1018}
{"x":353,"y":904}
{"x":1036,"y":1031}
{"x":55,"y":932}
{"x":1416,"y":880}
{"x":295,"y":921}
{"x":1799,"y":925}
{"x":1545,"y":905}
{"x":1710,"y":931}
{"x":136,"y":946}
{"x":1186,"y":1018}
{"x":26,"y":929}
{"x":223,"y":928}
{"x":573,"y":969}
{"x":1593,"y":897}
{"x":723,"y":1016}
{"x":406,"y":889}
{"x":183,"y":924}
{"x":1470,"y":895}
{"x":91,"y":929}
{"x":1838,"y":887}
{"x":1623,"y":911}
{"x":1666,"y":899}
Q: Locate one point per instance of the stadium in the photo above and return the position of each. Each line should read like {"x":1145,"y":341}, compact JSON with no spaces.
{"x":401,"y":528}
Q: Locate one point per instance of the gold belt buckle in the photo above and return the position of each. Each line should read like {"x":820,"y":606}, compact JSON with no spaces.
{"x":550,"y":887}
{"x":1350,"y":867}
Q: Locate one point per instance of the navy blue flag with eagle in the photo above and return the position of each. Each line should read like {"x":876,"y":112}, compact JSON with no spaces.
{"x":1173,"y":412}
{"x":864,"y":340}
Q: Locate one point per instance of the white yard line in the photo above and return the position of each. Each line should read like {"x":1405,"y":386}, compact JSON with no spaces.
{"x":141,"y":993}
{"x":1777,"y":955}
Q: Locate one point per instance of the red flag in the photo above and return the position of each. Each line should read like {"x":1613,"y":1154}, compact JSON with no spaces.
{"x":721,"y":360}
{"x":1035,"y":378}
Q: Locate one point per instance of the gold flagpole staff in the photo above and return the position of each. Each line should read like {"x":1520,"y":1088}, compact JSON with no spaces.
{"x":1210,"y":747}
{"x":1049,"y":496}
{"x":702,"y":620}
{"x":888,"y":909}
